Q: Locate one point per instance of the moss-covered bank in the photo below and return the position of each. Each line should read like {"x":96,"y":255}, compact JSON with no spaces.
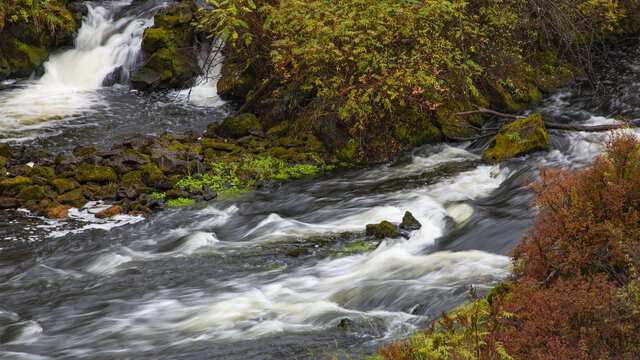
{"x":30,"y":29}
{"x":144,"y":173}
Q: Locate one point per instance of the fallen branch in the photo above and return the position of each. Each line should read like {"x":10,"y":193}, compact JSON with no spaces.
{"x":555,"y":126}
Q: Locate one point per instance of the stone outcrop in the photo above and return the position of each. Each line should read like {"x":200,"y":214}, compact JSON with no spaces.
{"x":170,"y":57}
{"x":517,"y":138}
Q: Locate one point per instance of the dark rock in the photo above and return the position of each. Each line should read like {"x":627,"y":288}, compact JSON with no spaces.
{"x":409,"y":222}
{"x":117,"y":76}
{"x":127,"y":193}
{"x":177,"y":193}
{"x":74,"y":198}
{"x":137,"y":142}
{"x":129,"y":160}
{"x":208,"y":194}
{"x":91,"y":159}
{"x":110,"y":153}
{"x":119,"y":167}
{"x":299,"y":252}
{"x":382,"y":230}
{"x":64,"y":167}
{"x":155,"y":178}
{"x":5,"y":150}
{"x":9,"y":203}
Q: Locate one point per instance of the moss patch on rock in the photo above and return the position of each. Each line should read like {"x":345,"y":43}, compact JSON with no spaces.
{"x":32,"y":192}
{"x":93,"y":173}
{"x":519,"y":137}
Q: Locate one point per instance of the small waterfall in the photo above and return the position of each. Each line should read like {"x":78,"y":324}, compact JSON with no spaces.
{"x":205,"y":92}
{"x":103,"y":45}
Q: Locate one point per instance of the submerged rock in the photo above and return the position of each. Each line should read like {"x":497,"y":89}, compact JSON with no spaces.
{"x":517,"y":138}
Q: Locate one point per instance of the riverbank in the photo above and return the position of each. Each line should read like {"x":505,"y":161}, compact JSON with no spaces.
{"x":144,"y":173}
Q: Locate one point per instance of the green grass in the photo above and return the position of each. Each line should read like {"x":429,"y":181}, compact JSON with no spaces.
{"x":180,"y":202}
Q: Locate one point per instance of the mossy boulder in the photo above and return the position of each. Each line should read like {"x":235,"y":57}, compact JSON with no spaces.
{"x":75,"y":198}
{"x":32,"y":192}
{"x":236,"y":82}
{"x":131,"y":178}
{"x":63,"y":185}
{"x":154,"y":177}
{"x":15,"y":184}
{"x":94,"y":173}
{"x":239,"y":126}
{"x":409,"y":222}
{"x":169,"y":50}
{"x":519,"y":137}
{"x":41,"y":171}
{"x":3,"y":161}
{"x":382,"y":230}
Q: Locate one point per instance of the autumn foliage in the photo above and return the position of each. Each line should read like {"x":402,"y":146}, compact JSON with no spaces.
{"x":574,"y":291}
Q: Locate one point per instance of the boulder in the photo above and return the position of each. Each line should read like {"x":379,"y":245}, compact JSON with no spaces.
{"x":409,"y":222}
{"x":56,"y":211}
{"x":32,"y":192}
{"x":382,"y":230}
{"x":238,"y":126}
{"x":15,"y":184}
{"x":169,"y":52}
{"x":93,"y":173}
{"x":517,"y":138}
{"x":109,"y":212}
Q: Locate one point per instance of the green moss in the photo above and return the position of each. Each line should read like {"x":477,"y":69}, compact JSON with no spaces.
{"x":93,"y":173}
{"x":382,"y":230}
{"x":63,"y":185}
{"x":3,"y":161}
{"x":531,"y":136}
{"x":155,"y":39}
{"x":239,"y":126}
{"x":180,"y":202}
{"x":33,"y":192}
{"x":299,"y":252}
{"x":499,"y":290}
{"x":360,"y":245}
{"x":131,"y":178}
{"x":42,"y":171}
{"x":157,"y":195}
{"x":74,"y":197}
{"x":85,"y":151}
{"x":348,"y":151}
{"x":5,"y":150}
{"x":15,"y":184}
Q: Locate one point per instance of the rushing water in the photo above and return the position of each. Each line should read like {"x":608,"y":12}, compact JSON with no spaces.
{"x":215,"y":280}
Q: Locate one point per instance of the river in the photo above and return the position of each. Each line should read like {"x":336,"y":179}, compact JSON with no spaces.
{"x":215,"y":281}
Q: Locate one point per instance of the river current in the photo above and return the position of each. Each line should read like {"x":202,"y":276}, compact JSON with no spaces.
{"x":215,"y":281}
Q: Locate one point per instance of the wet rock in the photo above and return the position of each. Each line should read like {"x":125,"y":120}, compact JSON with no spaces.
{"x":63,"y":185}
{"x":32,"y":192}
{"x":41,"y":171}
{"x":109,"y":212}
{"x":5,"y":150}
{"x":91,"y":159}
{"x":168,"y":50}
{"x":117,"y":76}
{"x":74,"y":198}
{"x":238,"y":126}
{"x":382,"y":230}
{"x":208,"y":194}
{"x":92,"y":173}
{"x":56,"y":211}
{"x":126,"y":193}
{"x":346,"y":324}
{"x":136,"y":207}
{"x":155,"y":178}
{"x":409,"y":222}
{"x":177,"y":193}
{"x":14,"y":185}
{"x":138,"y":142}
{"x":80,"y":151}
{"x":299,"y":252}
{"x":9,"y":203}
{"x":517,"y":138}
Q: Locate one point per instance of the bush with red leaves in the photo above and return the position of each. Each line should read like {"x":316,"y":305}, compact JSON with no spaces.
{"x":576,"y":272}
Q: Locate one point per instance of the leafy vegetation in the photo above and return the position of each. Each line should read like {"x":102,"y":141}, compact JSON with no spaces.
{"x":575,"y":287}
{"x":43,"y":14}
{"x":180,"y":202}
{"x":378,"y":68}
{"x":243,"y":174}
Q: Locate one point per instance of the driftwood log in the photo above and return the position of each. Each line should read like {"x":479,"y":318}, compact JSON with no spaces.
{"x":548,"y":125}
